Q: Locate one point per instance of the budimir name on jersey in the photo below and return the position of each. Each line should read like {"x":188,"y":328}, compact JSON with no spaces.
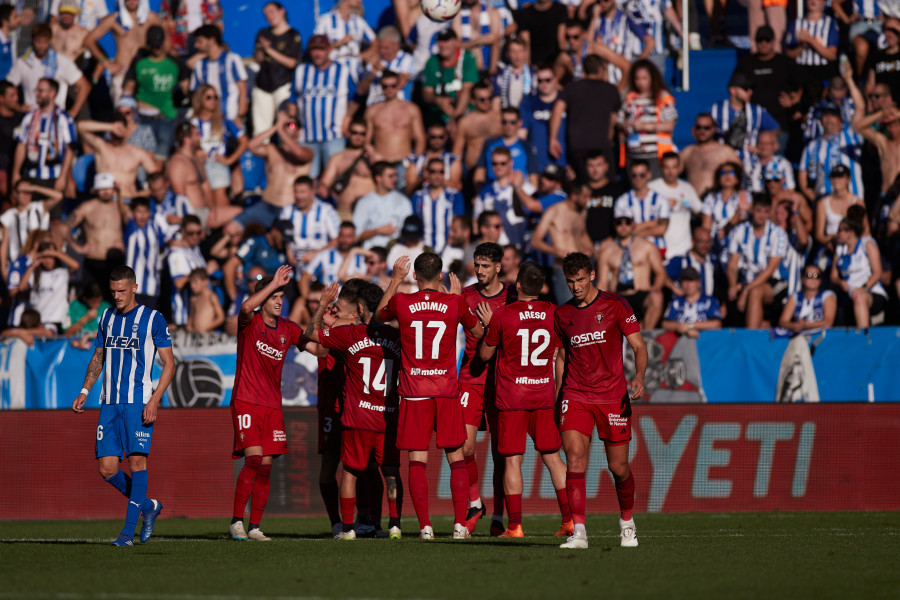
{"x":434,"y":306}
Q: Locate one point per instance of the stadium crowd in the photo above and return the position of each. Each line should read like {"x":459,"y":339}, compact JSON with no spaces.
{"x":547,"y":129}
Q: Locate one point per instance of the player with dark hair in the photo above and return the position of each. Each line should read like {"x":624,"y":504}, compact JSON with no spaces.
{"x":264,"y":338}
{"x":592,"y":391}
{"x":476,"y":385}
{"x":371,"y":353}
{"x":429,"y":390}
{"x":128,"y":405}
{"x":524,"y":333}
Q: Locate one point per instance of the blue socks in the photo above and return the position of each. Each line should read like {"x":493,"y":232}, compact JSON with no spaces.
{"x":121,"y":482}
{"x":137,"y":501}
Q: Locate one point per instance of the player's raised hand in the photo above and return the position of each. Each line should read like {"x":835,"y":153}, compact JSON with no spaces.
{"x":78,"y":404}
{"x":401,"y":268}
{"x":455,"y":285}
{"x":283,"y":275}
{"x":330,"y":294}
{"x":484,"y":313}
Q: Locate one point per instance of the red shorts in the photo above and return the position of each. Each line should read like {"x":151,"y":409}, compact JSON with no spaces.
{"x":611,"y":425}
{"x":330,"y":430}
{"x":471,"y":398}
{"x":358,"y":445}
{"x":514,"y":425}
{"x":419,"y":418}
{"x":257,"y":425}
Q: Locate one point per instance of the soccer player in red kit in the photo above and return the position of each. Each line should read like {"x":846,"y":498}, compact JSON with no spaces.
{"x":476,"y":385}
{"x":369,"y":413}
{"x":429,"y":390}
{"x":522,"y":335}
{"x":259,"y":431}
{"x":592,"y":391}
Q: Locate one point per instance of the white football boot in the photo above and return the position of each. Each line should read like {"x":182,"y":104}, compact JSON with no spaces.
{"x":628,"y":533}
{"x":578,"y":541}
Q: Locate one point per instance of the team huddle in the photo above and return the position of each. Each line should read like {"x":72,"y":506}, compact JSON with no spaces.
{"x":529,"y":368}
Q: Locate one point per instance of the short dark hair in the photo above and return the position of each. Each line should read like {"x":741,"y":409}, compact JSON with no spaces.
{"x":596,"y":154}
{"x":190,"y":220}
{"x":428,"y":266}
{"x":155,"y":176}
{"x":350,"y":289}
{"x":762,"y":199}
{"x":210,"y":32}
{"x":531,"y":277}
{"x":511,"y":110}
{"x":489,"y":250}
{"x":639,"y":162}
{"x":198,"y":273}
{"x":593,"y":64}
{"x":30,"y":319}
{"x":388,"y":74}
{"x":370,"y":296}
{"x":41,"y":30}
{"x":6,"y":11}
{"x":140,"y":201}
{"x":182,"y":132}
{"x":670,"y":155}
{"x":51,"y":82}
{"x":380,"y":251}
{"x":573,"y":23}
{"x":349,"y":224}
{"x":575,"y":262}
{"x":501,"y":151}
{"x":484,"y":216}
{"x":4,"y":84}
{"x":381,"y":166}
{"x":123,"y":273}
{"x":265,"y":281}
{"x":303,"y":179}
{"x":435,"y":160}
{"x":854,"y":225}
{"x":465,"y":221}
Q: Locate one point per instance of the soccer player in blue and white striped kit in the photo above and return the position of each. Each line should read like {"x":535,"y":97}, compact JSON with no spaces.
{"x":127,"y":342}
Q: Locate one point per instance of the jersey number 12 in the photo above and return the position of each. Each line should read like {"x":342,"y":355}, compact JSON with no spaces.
{"x":540,"y":337}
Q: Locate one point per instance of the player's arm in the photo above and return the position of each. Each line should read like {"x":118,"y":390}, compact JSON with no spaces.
{"x":167,"y":358}
{"x":636,"y":341}
{"x":282,"y":278}
{"x":401,"y":270}
{"x":91,"y":42}
{"x":329,"y":295}
{"x":95,"y":367}
{"x":560,"y":369}
{"x":492,"y":336}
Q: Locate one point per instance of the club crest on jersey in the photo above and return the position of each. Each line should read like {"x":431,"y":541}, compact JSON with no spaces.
{"x":599,"y":317}
{"x":427,"y":297}
{"x":530,"y":307}
{"x":283,"y":339}
{"x":135,"y":327}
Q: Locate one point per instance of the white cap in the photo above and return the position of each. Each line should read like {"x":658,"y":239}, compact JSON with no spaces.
{"x":104,"y":181}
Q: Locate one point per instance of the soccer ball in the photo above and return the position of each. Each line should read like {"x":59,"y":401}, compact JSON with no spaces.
{"x":440,"y":11}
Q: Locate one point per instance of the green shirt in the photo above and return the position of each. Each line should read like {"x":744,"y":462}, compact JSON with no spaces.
{"x":448,"y":81}
{"x":155,"y":82}
{"x":78,"y":309}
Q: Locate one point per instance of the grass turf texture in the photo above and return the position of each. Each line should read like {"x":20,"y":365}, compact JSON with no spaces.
{"x":780,"y":555}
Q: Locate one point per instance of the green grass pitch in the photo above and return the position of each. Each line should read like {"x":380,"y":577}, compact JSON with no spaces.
{"x":771,"y":555}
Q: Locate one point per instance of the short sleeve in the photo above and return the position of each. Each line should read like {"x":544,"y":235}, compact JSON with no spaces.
{"x":160,"y":331}
{"x":101,"y":333}
{"x":466,"y":317}
{"x":734,"y":244}
{"x":715,"y":311}
{"x":628,"y":322}
{"x":708,"y":204}
{"x":671,"y":312}
{"x":470,"y":68}
{"x":335,"y":338}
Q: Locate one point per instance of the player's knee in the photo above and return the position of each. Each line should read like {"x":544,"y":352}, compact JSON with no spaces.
{"x":619,"y":469}
{"x":468,"y":447}
{"x":253,"y":462}
{"x":107,"y":472}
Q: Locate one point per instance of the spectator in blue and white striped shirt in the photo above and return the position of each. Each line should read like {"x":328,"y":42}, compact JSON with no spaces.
{"x":325,"y":265}
{"x":436,"y":205}
{"x":182,"y":260}
{"x":813,"y":42}
{"x":145,"y":244}
{"x":649,"y":210}
{"x":480,"y":31}
{"x":618,"y":39}
{"x":756,"y":247}
{"x":517,"y":79}
{"x":739,"y":121}
{"x":387,"y":55}
{"x":839,"y":144}
{"x":345,"y":29}
{"x":315,"y":223}
{"x":324,"y":91}
{"x":222,"y":69}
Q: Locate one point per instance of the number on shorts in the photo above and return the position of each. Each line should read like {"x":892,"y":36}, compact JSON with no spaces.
{"x":419,"y":326}
{"x":99,"y":432}
{"x":541,"y":337}
{"x":565,"y":406}
{"x":380,"y":383}
{"x":327,"y":427}
{"x":464,"y":399}
{"x":243,"y":421}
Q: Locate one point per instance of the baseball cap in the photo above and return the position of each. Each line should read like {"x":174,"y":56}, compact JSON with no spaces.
{"x":127,"y":102}
{"x":552,"y":172}
{"x":622,"y":211}
{"x":447,"y":34}
{"x":839,"y":171}
{"x":104,"y":181}
{"x":156,"y":36}
{"x":740,"y":80}
{"x":829,"y":108}
{"x":765,"y":34}
{"x":772,"y":172}
{"x":70,"y":6}
{"x":412,"y":227}
{"x":318,"y":41}
{"x":690,"y":274}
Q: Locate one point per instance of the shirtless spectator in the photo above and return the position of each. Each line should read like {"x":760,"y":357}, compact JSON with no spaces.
{"x":632,"y":268}
{"x":103,"y":244}
{"x":129,"y":30}
{"x":348,"y":174}
{"x":436,"y":137}
{"x":702,"y":158}
{"x":206,"y":312}
{"x":394,"y":126}
{"x":477,"y":126}
{"x":565,"y":224}
{"x":886,"y":138}
{"x":68,"y":34}
{"x":188,"y":179}
{"x":117,"y":156}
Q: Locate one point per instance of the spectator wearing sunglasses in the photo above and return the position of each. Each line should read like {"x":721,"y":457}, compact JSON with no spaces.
{"x":884,"y":64}
{"x":812,"y":308}
{"x":522,"y":152}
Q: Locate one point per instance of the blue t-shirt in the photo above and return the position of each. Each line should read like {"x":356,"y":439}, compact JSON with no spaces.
{"x":536,"y":119}
{"x":524,"y":156}
{"x":258,"y":252}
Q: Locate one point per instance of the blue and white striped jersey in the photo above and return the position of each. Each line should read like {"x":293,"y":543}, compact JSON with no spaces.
{"x":820,"y":156}
{"x":812,"y":127}
{"x":791,"y":267}
{"x":756,"y":119}
{"x":500,"y":198}
{"x":322,"y":96}
{"x":469,"y":29}
{"x":437,"y":214}
{"x":46,"y":137}
{"x":420,"y":161}
{"x":651,"y":207}
{"x":720,"y":209}
{"x":144,"y":248}
{"x":811,"y":309}
{"x":854,"y":266}
{"x":823,"y":29}
{"x":7,"y":55}
{"x":21,"y":223}
{"x":706,"y":308}
{"x":326,"y":264}
{"x":623,"y":35}
{"x":314,"y":228}
{"x":183,"y":260}
{"x":216,"y":144}
{"x":649,"y":13}
{"x":867,"y":9}
{"x":512,"y":87}
{"x":706,"y":268}
{"x":335,"y":28}
{"x":403,"y":63}
{"x":223,"y":74}
{"x":754,"y":251}
{"x":755,"y":176}
{"x":130,"y":341}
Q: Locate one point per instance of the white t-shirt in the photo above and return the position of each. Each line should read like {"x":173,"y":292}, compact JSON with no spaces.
{"x":51,"y":296}
{"x":398,"y":250}
{"x":683,"y":201}
{"x":29,"y":70}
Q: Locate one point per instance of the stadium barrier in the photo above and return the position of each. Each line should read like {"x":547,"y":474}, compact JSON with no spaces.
{"x":706,"y":458}
{"x":840,"y":365}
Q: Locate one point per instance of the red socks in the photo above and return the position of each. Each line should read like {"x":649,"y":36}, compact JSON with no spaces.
{"x":564,"y":509}
{"x":418,"y":489}
{"x":576,"y":490}
{"x":245,"y":485}
{"x":514,"y":508}
{"x":625,"y":493}
{"x":472,"y":468}
{"x":459,"y":490}
{"x":260,"y":493}
{"x":347,"y":507}
{"x":393,"y":511}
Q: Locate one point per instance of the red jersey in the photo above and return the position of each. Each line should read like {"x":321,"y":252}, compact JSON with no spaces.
{"x":592,"y":336}
{"x":260,"y":358}
{"x":428,"y":321}
{"x":472,"y":371}
{"x":527,"y":342}
{"x":371,"y":363}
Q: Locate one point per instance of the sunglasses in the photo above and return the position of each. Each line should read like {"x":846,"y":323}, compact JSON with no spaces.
{"x":389,"y":86}
{"x":499,"y":163}
{"x":193,"y":232}
{"x":439,"y":136}
{"x":545,"y":80}
{"x":435,"y":171}
{"x":639,"y":175}
{"x":811,"y":275}
{"x":725,"y":172}
{"x":495,"y":226}
{"x":357,"y":132}
{"x":573,"y":37}
{"x":482,"y":98}
{"x":624,"y":221}
{"x":372,"y":263}
{"x":703,"y":127}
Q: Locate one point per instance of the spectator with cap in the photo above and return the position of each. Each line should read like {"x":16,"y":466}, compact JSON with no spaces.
{"x":136,"y":133}
{"x":221,"y":68}
{"x":379,"y":214}
{"x":447,"y":79}
{"x":436,"y":204}
{"x":812,"y":41}
{"x":839,"y":144}
{"x":833,"y":207}
{"x":151,"y":81}
{"x":692,"y":312}
{"x":345,"y":29}
{"x":324,"y":91}
{"x":535,"y":111}
{"x":276,"y":51}
{"x":549,"y":191}
{"x":68,"y":32}
{"x":837,"y":93}
{"x":89,"y":11}
{"x":739,"y":121}
{"x":409,"y":243}
{"x":523,"y":152}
